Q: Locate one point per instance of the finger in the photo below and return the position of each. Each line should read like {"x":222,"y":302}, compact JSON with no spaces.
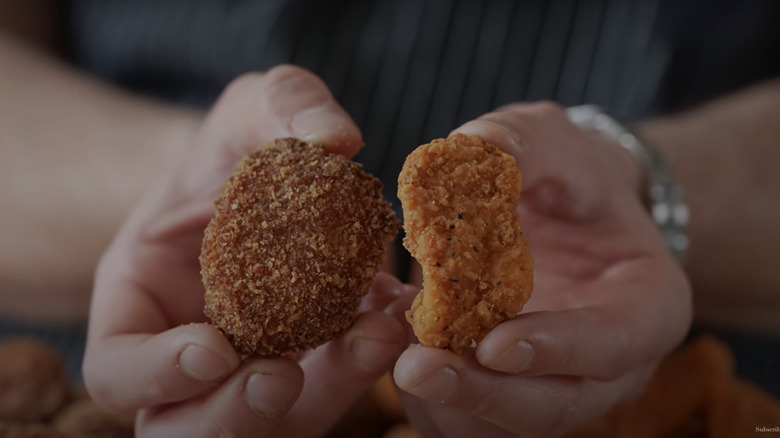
{"x":390,"y":258}
{"x":253,"y":111}
{"x":534,"y":406}
{"x":384,"y":289}
{"x":127,"y":372}
{"x":338,"y":373}
{"x":251,"y":403}
{"x":286,"y":101}
{"x":641,"y":322}
{"x":518,"y":130}
{"x":398,"y":308}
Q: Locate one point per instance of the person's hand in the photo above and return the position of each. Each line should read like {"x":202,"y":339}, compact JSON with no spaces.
{"x":609,"y":300}
{"x":149,"y":350}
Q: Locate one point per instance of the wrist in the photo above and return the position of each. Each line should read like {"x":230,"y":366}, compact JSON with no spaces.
{"x":659,"y":190}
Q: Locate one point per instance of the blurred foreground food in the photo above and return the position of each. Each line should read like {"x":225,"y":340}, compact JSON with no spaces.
{"x":37,"y":400}
{"x":694,"y":393}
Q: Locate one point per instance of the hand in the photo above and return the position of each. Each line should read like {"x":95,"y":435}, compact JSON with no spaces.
{"x":608,"y":303}
{"x":149,"y":350}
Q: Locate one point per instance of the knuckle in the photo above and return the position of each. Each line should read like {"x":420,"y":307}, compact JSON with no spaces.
{"x":508,"y":132}
{"x":243,"y":84}
{"x":284,"y":72}
{"x":277,"y":81}
{"x":483,"y":403}
{"x":548,"y":108}
{"x":285,"y":78}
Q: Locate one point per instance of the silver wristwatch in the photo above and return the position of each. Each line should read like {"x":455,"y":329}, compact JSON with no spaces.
{"x":664,"y":194}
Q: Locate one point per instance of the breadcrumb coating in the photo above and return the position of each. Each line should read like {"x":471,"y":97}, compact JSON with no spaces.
{"x":84,"y":418}
{"x":298,"y":234}
{"x":33,"y":383}
{"x":459,"y":197}
{"x":694,"y":392}
{"x":24,"y":429}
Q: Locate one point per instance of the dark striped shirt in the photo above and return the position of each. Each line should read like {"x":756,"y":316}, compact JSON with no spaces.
{"x":407,"y":71}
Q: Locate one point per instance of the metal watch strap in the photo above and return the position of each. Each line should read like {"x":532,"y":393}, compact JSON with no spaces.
{"x":665,"y":195}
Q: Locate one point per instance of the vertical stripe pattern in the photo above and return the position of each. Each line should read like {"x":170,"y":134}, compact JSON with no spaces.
{"x":406,"y":70}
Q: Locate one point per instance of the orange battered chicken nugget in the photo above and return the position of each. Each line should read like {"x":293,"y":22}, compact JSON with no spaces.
{"x":298,"y":234}
{"x":459,"y":197}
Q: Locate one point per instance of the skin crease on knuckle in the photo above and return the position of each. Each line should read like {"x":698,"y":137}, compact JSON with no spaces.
{"x":506,"y":133}
{"x":268,"y":91}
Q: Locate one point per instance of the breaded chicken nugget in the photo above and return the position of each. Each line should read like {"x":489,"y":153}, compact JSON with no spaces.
{"x":298,"y":234}
{"x":694,"y":392}
{"x":459,"y":197}
{"x":33,"y":384}
{"x":85,"y":419}
{"x":23,"y":429}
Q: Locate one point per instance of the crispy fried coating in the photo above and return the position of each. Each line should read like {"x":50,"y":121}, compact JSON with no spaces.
{"x":85,"y":419}
{"x":459,"y":197}
{"x":298,"y":234}
{"x":693,"y":393}
{"x":23,"y":429}
{"x":402,"y":430}
{"x":33,"y":384}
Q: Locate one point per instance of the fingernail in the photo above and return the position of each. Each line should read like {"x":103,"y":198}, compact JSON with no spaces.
{"x":514,"y":359}
{"x":269,"y":395}
{"x":488,"y":122}
{"x":320,"y":123}
{"x":438,"y":386}
{"x":385,"y":284}
{"x":372,"y":355}
{"x":202,"y":364}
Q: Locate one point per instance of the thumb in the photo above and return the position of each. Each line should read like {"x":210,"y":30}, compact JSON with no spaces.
{"x":253,"y":111}
{"x":567,"y":172}
{"x":257,"y":108}
{"x":286,"y":101}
